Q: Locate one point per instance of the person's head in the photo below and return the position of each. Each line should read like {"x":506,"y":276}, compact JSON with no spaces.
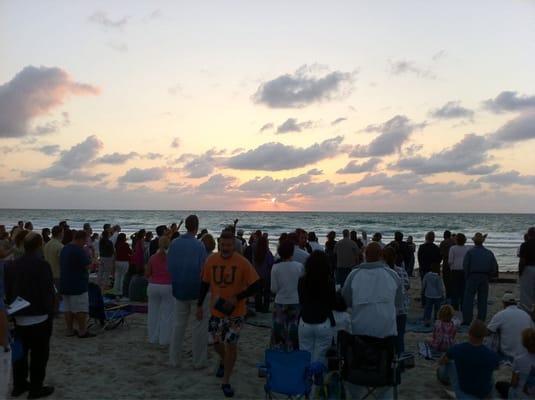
{"x":460,"y":239}
{"x":240,"y":233}
{"x":477,"y":332}
{"x":192,"y":224}
{"x":63,"y":224}
{"x":163,"y":243}
{"x":28,"y":226}
{"x":33,"y":242}
{"x":479,"y":238}
{"x":45,"y":232}
{"x":292,"y":237}
{"x":528,"y":340}
{"x":226,"y":244}
{"x":398,"y":236}
{"x":160,"y":230}
{"x":508,"y":299}
{"x":312,"y":237}
{"x":202,"y":233}
{"x":317,"y":270}
{"x":389,"y":256}
{"x":209,"y":243}
{"x":116,"y":228}
{"x":87,"y":228}
{"x":121,"y":238}
{"x":445,"y":314}
{"x":345,"y":233}
{"x":57,"y":232}
{"x":377,"y":236}
{"x":174,"y":226}
{"x":105,"y":234}
{"x":531,"y":233}
{"x":148,"y":236}
{"x":283,"y":238}
{"x":262,"y":247}
{"x":94,"y":237}
{"x":373,"y":252}
{"x":410,"y":239}
{"x":19,"y":238}
{"x":286,"y":250}
{"x":331,"y":236}
{"x":106,"y":227}
{"x":430,"y":237}
{"x":447,"y":235}
{"x":20,"y":224}
{"x":140,"y":235}
{"x":80,"y":238}
{"x":301,"y":237}
{"x":67,"y":235}
{"x":353,"y":235}
{"x":435,"y":267}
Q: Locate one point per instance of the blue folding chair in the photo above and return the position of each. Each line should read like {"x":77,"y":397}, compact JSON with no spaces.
{"x":109,"y":316}
{"x":288,"y":373}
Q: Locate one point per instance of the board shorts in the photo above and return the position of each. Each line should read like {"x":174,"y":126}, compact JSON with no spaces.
{"x":76,"y":303}
{"x":225,"y":330}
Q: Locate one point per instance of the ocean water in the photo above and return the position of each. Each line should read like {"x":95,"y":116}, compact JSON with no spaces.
{"x":505,"y":231}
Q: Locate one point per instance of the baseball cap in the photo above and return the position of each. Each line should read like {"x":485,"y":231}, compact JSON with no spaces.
{"x":509,"y":297}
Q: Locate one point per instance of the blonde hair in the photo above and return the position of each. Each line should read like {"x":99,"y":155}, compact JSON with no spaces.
{"x":445,"y":314}
{"x":163,"y":242}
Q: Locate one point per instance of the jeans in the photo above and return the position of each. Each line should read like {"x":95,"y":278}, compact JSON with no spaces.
{"x":316,"y":339}
{"x":341,"y":275}
{"x":457,"y":289}
{"x":432,"y":305}
{"x":199,"y":333}
{"x":401,"y":322}
{"x":476,"y":283}
{"x":160,"y":316}
{"x":36,"y":346}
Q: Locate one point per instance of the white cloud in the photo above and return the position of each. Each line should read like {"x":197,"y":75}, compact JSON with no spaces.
{"x":101,"y":18}
{"x":451,"y":110}
{"x":353,"y":168}
{"x":292,"y":125}
{"x":509,"y":100}
{"x":139,"y":175}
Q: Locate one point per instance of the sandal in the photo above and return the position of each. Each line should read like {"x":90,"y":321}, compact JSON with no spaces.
{"x":227,"y":390}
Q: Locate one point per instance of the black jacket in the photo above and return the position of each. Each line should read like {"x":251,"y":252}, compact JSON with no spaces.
{"x":30,"y":277}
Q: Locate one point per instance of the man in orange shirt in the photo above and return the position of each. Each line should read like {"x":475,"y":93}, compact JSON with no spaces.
{"x":231,"y":280}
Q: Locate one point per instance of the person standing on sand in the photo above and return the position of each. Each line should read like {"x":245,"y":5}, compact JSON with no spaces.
{"x":526,"y":268}
{"x":30,"y":278}
{"x":185,"y":260}
{"x":231,"y":280}
{"x":445,"y":246}
{"x":479,"y":266}
{"x":347,"y":256}
{"x":457,"y":278}
{"x":428,"y":253}
{"x":5,"y":353}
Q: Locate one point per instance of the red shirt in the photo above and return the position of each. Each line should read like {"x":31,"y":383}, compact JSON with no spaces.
{"x":122,"y":251}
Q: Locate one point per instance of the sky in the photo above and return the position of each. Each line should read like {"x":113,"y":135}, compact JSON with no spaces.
{"x":283,"y":106}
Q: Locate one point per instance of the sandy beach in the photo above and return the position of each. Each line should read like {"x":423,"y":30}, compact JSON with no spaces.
{"x":121,"y":364}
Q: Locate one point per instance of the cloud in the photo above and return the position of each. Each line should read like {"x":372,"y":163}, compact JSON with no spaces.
{"x":175,"y":143}
{"x":116,"y":158}
{"x":49,"y":149}
{"x":102,"y":19}
{"x":465,"y":156}
{"x":338,"y":121}
{"x":201,"y":165}
{"x":508,"y":178}
{"x":292,"y":125}
{"x":176,"y":89}
{"x":277,"y":156}
{"x":481,"y":169}
{"x":509,"y":100}
{"x":304,"y":87}
{"x":266,"y":127}
{"x":33,"y":92}
{"x":270,"y":187}
{"x":152,"y":156}
{"x":139,"y":175}
{"x":393,"y":134}
{"x":403,"y":67}
{"x":353,"y":168}
{"x":216,"y":184}
{"x":518,"y":129}
{"x":451,"y":110}
{"x":438,"y":55}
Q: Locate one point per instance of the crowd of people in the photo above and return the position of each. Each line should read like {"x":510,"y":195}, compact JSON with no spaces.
{"x":211,"y":284}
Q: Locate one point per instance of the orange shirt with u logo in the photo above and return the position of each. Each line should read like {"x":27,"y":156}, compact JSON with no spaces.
{"x":228,"y":277}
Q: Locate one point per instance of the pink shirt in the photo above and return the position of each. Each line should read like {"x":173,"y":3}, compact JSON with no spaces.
{"x":443,"y":335}
{"x":158,"y":268}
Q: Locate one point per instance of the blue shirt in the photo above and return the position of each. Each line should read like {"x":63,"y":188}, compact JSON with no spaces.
{"x":185,"y":260}
{"x":74,"y":276}
{"x":479,"y":260}
{"x":475,"y":365}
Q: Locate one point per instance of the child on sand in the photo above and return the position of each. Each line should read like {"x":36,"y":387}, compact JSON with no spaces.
{"x":444,"y":330}
{"x":433,"y":289}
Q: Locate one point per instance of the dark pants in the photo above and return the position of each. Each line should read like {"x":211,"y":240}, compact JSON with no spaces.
{"x":476,"y":283}
{"x":457,"y":289}
{"x":446,"y":278}
{"x":431,"y":306}
{"x":409,"y":266}
{"x":341,"y":275}
{"x":263,"y":297}
{"x":35,"y":341}
{"x":401,"y":322}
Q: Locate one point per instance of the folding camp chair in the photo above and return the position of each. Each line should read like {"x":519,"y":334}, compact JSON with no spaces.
{"x":288,"y":373}
{"x":370,"y":362}
{"x":109,"y":316}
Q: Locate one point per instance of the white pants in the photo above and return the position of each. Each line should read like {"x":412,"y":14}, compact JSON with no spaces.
{"x":121,"y":268}
{"x":199,"y":332}
{"x":160,"y":313}
{"x":316,"y":339}
{"x":104,"y":271}
{"x":5,"y":372}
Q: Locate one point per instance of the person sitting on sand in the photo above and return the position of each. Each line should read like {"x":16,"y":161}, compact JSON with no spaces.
{"x":469,"y":366}
{"x":479,"y":266}
{"x":508,"y":324}
{"x":284,"y":282}
{"x":317,"y":298}
{"x":231,"y":280}
{"x":444,"y":330}
{"x":30,"y":278}
{"x":433,"y":290}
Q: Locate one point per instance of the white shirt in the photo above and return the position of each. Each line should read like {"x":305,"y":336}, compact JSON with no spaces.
{"x":113,"y":238}
{"x":456,"y":256}
{"x":300,"y":255}
{"x":27,"y":320}
{"x":510,"y":323}
{"x":316,"y":246}
{"x":374,"y":292}
{"x":284,"y":280}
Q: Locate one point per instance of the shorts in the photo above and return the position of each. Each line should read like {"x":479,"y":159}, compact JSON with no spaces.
{"x":225,"y":330}
{"x":76,"y":303}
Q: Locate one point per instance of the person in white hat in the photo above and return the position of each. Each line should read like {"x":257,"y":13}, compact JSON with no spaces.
{"x":509,"y":324}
